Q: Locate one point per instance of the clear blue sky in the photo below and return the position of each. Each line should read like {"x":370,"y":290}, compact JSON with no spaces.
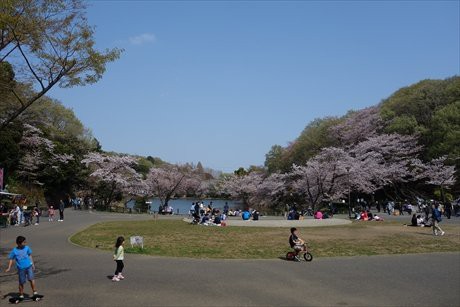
{"x":221,"y":82}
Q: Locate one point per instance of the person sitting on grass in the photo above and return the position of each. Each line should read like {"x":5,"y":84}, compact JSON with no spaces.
{"x":318,"y":215}
{"x":417,"y":221}
{"x":205,"y":219}
{"x":364,"y":216}
{"x":420,"y":221}
{"x":296,"y":243}
{"x":217,"y":221}
{"x":370,"y":216}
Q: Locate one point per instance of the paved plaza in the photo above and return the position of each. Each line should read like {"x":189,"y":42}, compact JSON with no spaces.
{"x":69,"y":275}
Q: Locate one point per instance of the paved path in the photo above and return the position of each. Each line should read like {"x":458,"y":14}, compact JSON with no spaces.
{"x":74,"y":276}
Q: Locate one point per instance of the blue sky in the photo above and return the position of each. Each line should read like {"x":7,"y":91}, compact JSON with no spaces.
{"x":221,"y":82}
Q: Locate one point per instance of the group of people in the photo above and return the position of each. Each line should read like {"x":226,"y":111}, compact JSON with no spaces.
{"x":165,"y":209}
{"x":429,"y":221}
{"x":422,"y":206}
{"x":23,"y":215}
{"x":366,"y":215}
{"x":77,"y":203}
{"x":208,"y":215}
{"x":21,"y":256}
{"x":292,"y":212}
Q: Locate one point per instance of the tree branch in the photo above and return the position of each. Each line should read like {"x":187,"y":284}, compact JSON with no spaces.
{"x":28,"y":63}
{"x":18,"y":98}
{"x":8,"y":53}
{"x":34,"y":98}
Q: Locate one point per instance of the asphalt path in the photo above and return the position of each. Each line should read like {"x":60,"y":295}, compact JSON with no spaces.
{"x":69,"y":275}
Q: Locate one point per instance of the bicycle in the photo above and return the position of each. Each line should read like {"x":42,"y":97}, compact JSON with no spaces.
{"x":306,"y":254}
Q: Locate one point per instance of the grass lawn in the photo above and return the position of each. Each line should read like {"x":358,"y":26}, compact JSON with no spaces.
{"x":175,"y":238}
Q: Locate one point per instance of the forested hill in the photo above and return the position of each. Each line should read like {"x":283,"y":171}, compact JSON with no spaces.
{"x":429,"y":109}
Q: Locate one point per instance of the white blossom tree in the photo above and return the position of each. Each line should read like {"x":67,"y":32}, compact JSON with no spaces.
{"x":245,"y":187}
{"x":38,"y":155}
{"x":169,"y":181}
{"x":436,"y":173}
{"x":113,"y":174}
{"x":323,"y":177}
{"x":358,"y":126}
{"x":387,"y":160}
{"x":372,"y":164}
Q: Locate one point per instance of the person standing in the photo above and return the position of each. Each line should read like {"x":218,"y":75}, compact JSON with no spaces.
{"x":36,"y":212}
{"x":51,"y":214}
{"x":390,"y":208}
{"x":436,"y":218}
{"x":61,"y":210}
{"x":448,"y":209}
{"x":118,"y":257}
{"x":22,"y":255}
{"x":426,"y":209}
{"x":192,"y":210}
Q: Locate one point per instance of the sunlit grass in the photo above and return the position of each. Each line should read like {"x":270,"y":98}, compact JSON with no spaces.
{"x":174,"y":238}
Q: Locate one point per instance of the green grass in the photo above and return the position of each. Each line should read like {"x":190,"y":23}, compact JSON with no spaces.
{"x":174,"y":238}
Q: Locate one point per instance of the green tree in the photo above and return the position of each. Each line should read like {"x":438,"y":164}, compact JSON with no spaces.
{"x":9,"y":149}
{"x":274,"y":159}
{"x":143,"y":166}
{"x":420,"y":101}
{"x":49,"y":42}
{"x":241,"y":172}
{"x":311,"y":141}
{"x":445,"y":132}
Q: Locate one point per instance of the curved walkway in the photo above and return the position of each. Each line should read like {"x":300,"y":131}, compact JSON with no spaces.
{"x":74,"y":276}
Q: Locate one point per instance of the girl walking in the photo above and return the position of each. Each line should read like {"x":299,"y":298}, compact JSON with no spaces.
{"x":51,"y":214}
{"x":118,"y":256}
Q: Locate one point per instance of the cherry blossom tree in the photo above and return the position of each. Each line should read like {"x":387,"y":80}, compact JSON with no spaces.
{"x":244,"y":187}
{"x":272,"y":190}
{"x":372,"y":164}
{"x":168,"y":181}
{"x":38,"y":155}
{"x":323,"y":177}
{"x":358,"y":126}
{"x":387,"y":160}
{"x":113,"y":174}
{"x":437,"y":173}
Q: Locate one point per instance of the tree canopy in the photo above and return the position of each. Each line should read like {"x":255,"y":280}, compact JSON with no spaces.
{"x":428,"y":111}
{"x":42,"y":44}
